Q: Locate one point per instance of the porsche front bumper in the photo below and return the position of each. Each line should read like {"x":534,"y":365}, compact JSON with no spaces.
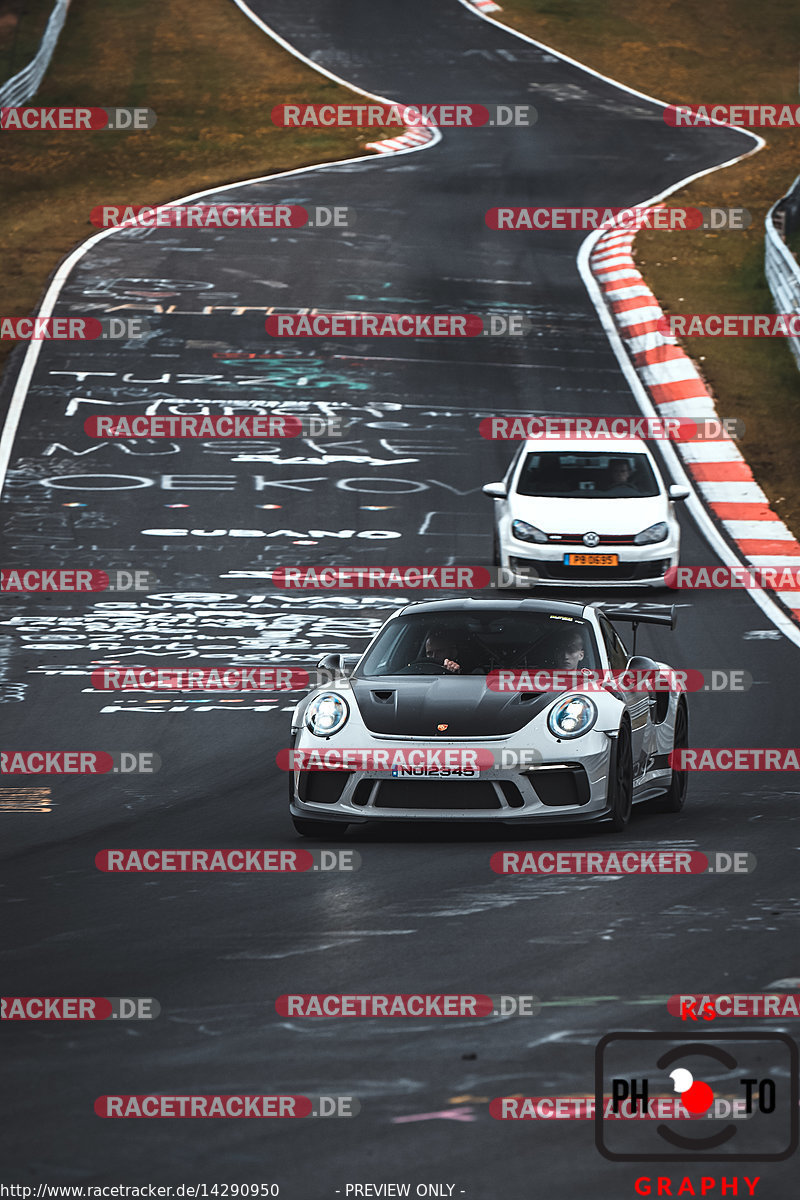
{"x":569,"y":789}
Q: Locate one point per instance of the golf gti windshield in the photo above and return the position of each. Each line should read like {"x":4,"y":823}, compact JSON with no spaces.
{"x":587,"y":476}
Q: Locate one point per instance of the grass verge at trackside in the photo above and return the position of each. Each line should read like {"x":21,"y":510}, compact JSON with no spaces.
{"x":724,"y":52}
{"x":212,"y":78}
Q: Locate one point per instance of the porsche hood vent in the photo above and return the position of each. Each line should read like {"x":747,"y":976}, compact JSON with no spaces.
{"x":416,"y":705}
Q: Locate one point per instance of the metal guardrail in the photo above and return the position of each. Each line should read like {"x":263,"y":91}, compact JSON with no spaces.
{"x":780,"y":265}
{"x":26,"y":82}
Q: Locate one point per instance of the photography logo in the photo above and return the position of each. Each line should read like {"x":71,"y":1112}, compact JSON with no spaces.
{"x":740,"y":1090}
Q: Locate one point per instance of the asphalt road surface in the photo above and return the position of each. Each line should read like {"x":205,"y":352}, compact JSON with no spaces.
{"x":402,"y":485}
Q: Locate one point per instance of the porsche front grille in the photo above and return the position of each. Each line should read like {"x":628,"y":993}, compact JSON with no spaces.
{"x":402,"y":793}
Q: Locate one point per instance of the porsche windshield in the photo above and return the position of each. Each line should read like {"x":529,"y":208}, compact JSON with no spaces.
{"x":476,"y":643}
{"x":587,"y":476}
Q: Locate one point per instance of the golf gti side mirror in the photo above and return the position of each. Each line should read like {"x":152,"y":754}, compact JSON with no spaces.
{"x":677,"y":492}
{"x":498,"y":491}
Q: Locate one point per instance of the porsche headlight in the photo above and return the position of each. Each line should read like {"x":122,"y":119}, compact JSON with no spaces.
{"x":326,"y":714}
{"x":572,"y":716}
{"x":527,"y":533}
{"x":654,"y":533}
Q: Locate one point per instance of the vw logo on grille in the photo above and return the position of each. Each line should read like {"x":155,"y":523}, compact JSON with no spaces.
{"x":590,"y":539}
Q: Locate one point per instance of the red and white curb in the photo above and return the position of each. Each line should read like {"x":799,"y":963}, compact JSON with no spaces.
{"x":718,"y":470}
{"x":413,"y":136}
{"x":485,"y":5}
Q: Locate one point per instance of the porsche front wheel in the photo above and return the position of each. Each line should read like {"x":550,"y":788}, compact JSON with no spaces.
{"x":620,"y":780}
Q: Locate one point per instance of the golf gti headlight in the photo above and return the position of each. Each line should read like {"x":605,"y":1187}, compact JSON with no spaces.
{"x":572,"y":716}
{"x":527,"y":533}
{"x":326,"y":714}
{"x":654,"y":533}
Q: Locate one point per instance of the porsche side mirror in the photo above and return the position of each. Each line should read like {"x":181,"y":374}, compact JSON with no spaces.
{"x":677,"y":492}
{"x":498,"y":491}
{"x":338,"y":665}
{"x":640,"y":662}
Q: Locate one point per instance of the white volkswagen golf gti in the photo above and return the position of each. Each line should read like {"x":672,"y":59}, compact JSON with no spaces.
{"x":572,"y":512}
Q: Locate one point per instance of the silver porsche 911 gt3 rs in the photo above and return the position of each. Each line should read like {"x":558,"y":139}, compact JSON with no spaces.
{"x":420,"y":730}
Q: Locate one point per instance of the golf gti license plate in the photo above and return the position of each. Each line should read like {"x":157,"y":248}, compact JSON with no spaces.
{"x":591,"y":560}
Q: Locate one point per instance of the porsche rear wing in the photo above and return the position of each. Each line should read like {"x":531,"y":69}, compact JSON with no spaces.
{"x":637,"y":616}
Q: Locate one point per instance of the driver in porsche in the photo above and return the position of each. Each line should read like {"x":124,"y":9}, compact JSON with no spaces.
{"x":565,"y":651}
{"x":440,"y":648}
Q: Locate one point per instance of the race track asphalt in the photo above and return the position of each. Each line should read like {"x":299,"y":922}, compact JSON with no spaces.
{"x":402,"y":485}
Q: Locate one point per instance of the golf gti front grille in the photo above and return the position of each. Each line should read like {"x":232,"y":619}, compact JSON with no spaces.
{"x":557,"y":570}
